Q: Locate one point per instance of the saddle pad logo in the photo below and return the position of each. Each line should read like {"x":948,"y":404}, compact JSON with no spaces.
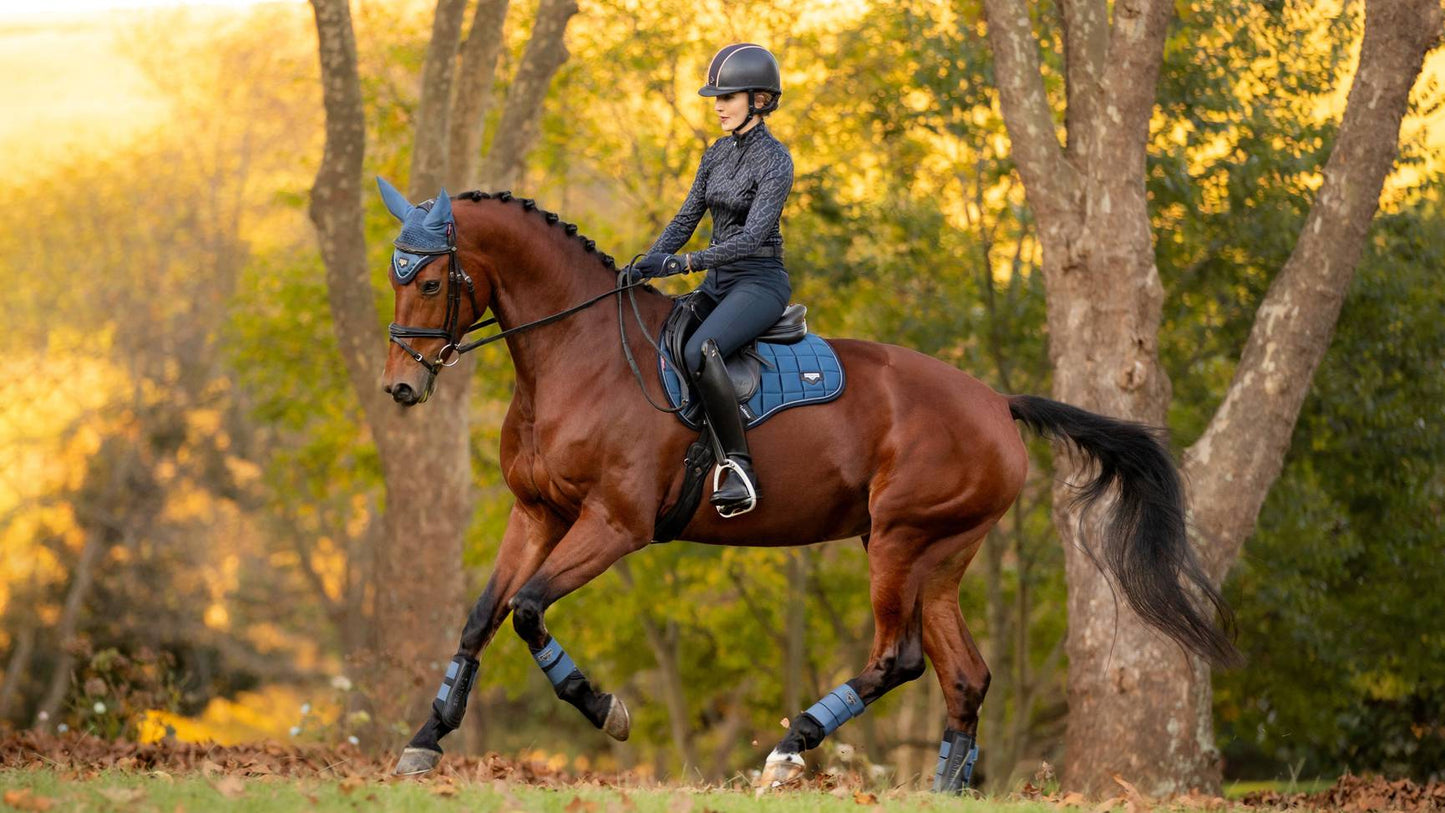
{"x":813,"y":378}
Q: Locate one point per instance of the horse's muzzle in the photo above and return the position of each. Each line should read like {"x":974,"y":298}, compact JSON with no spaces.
{"x":404,"y":394}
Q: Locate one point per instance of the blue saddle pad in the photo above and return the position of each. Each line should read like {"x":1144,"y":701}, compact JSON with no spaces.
{"x":806,"y":372}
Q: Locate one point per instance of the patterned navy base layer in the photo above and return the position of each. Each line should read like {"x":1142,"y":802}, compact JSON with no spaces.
{"x":806,"y":372}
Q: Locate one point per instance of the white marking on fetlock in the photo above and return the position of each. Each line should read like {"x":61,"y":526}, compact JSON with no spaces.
{"x":781,"y":769}
{"x":618,"y":724}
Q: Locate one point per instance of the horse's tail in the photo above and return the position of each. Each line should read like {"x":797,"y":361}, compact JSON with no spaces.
{"x":1145,"y":545}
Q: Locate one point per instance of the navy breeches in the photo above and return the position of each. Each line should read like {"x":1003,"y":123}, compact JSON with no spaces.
{"x":742,"y":314}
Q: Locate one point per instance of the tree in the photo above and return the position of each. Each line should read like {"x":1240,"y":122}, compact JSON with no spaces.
{"x":1134,"y":697}
{"x":424,"y":453}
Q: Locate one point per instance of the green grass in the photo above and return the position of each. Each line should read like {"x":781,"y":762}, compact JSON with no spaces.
{"x":1237,"y":790}
{"x":116,"y":790}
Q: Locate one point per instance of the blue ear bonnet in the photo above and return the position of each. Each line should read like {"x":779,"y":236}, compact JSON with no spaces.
{"x":426,"y":227}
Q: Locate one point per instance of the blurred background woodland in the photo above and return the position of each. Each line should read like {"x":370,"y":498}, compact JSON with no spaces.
{"x":192,"y":497}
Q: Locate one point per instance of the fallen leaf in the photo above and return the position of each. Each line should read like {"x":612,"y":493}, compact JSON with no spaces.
{"x":1073,"y":799}
{"x":580,"y":805}
{"x":24,"y":799}
{"x":785,"y":723}
{"x":231,"y":787}
{"x":351,"y":783}
{"x":865,"y":798}
{"x":1137,"y":802}
{"x":123,"y":796}
{"x":447,"y":789}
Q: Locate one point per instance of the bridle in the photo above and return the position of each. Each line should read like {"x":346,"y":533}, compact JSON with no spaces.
{"x":456,"y":280}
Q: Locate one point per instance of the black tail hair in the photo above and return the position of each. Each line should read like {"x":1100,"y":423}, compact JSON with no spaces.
{"x":1145,"y":545}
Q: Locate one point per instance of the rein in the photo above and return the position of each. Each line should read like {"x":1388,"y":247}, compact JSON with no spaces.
{"x":457,"y":278}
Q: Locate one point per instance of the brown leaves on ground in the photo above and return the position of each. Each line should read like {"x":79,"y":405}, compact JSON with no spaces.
{"x":24,"y":799}
{"x":1357,"y":794}
{"x":82,"y":756}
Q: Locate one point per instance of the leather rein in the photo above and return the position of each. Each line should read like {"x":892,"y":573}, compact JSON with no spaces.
{"x":457,"y":279}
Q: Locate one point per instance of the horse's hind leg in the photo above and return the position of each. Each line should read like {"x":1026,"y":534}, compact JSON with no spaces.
{"x":962,"y":674}
{"x":897,"y":570}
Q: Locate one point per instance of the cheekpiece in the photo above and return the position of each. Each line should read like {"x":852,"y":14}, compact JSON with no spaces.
{"x":426,"y":231}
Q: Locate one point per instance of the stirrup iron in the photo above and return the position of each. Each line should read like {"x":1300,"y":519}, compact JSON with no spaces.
{"x":735,"y":509}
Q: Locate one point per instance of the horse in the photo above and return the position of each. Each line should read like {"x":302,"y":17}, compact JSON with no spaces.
{"x":915,"y":458}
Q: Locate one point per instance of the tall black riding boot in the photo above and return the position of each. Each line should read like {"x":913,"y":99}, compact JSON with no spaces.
{"x":735,"y":489}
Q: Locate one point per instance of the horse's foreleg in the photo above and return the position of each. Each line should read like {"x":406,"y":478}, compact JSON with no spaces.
{"x":897,"y":656}
{"x":593,"y":544}
{"x":531,"y":534}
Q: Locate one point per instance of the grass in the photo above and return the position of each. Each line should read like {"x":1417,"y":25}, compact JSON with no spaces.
{"x":119,"y":790}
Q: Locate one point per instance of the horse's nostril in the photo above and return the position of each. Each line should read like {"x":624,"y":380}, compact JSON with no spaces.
{"x":403,"y":394}
{"x":386,"y":388}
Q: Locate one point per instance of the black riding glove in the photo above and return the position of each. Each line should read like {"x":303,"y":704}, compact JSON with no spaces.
{"x":658,"y":264}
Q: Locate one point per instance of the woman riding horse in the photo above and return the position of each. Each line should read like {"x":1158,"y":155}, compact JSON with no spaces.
{"x":743,"y":179}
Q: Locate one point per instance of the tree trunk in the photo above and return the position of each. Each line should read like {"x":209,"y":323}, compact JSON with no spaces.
{"x":796,"y":632}
{"x":46,"y":716}
{"x":17,"y":667}
{"x":1138,"y":706}
{"x":545,"y":53}
{"x":419,"y":599}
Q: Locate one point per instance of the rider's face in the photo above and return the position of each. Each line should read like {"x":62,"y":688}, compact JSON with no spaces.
{"x":731,"y":109}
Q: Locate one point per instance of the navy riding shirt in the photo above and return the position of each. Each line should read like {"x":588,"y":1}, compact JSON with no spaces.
{"x":743,"y":181}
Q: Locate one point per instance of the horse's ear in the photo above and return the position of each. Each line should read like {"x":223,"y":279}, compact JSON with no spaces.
{"x":396,"y":202}
{"x":441,"y":211}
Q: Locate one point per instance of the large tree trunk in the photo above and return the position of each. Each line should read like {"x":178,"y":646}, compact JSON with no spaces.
{"x":1137,"y":705}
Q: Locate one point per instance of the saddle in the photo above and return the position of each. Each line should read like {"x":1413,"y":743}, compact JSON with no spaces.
{"x":744,"y":367}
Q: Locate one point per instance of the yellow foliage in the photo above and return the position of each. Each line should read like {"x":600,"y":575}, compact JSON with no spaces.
{"x":267,"y":713}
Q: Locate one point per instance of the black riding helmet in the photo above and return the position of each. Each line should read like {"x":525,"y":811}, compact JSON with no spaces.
{"x":745,"y":67}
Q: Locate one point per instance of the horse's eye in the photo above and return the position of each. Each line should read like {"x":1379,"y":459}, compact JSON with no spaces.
{"x":431,"y":286}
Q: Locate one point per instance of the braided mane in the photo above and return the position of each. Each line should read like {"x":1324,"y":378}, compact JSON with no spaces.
{"x":552,"y":218}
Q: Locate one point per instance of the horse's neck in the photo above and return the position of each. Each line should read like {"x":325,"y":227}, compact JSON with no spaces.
{"x":582,"y":346}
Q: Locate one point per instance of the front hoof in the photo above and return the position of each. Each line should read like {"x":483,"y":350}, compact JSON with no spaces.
{"x":416,"y":761}
{"x":781,"y":770}
{"x":618,"y":724}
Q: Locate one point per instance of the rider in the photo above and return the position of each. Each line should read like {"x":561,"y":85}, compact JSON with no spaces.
{"x":743,"y":180}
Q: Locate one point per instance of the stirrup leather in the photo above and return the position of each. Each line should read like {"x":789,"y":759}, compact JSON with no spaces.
{"x":735,"y":509}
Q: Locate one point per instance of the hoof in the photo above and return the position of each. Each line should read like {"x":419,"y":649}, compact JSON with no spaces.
{"x":618,"y":724}
{"x":416,"y":761}
{"x":781,"y":770}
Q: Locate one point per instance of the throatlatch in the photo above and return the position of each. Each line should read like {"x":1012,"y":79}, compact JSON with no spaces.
{"x":451,"y":703}
{"x":955,"y":762}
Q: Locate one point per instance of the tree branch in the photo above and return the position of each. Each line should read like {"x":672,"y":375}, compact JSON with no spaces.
{"x":429,"y":150}
{"x":1232,"y":466}
{"x":1049,"y":181}
{"x":546,"y":52}
{"x":474,"y":91}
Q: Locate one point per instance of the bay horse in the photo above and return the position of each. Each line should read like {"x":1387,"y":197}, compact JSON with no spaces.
{"x":916,"y":458}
